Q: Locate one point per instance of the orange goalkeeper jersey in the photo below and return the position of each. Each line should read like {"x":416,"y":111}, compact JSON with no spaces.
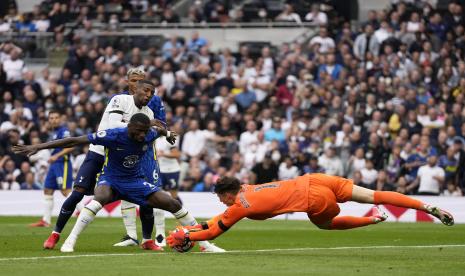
{"x":260,"y":202}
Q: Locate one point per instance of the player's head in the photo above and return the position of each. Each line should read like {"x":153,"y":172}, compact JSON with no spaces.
{"x":138,"y":126}
{"x":144,"y":92}
{"x":133,"y":76}
{"x":227,"y":188}
{"x":54,"y":118}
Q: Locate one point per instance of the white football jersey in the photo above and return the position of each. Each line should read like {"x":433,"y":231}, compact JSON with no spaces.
{"x":167,"y":165}
{"x":123,"y":104}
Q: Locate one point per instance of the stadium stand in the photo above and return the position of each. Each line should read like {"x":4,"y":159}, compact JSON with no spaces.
{"x":375,"y":101}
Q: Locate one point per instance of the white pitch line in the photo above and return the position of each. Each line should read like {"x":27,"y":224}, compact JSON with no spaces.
{"x":236,"y":251}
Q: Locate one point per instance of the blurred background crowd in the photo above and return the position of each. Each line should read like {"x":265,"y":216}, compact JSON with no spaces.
{"x":380,"y":101}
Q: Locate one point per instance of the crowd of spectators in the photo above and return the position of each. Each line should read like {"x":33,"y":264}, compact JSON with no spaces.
{"x":382,"y":103}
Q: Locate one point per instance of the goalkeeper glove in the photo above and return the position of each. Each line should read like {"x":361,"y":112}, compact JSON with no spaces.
{"x":178,"y":237}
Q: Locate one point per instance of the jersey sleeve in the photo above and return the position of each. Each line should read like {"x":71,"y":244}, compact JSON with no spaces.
{"x":220,"y":224}
{"x":117,"y":104}
{"x":158,"y":109}
{"x":106,"y":138}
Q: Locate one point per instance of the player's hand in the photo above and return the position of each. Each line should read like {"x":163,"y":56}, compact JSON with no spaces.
{"x":52,"y":159}
{"x":176,"y":238}
{"x":158,"y":123}
{"x":171,"y":138}
{"x":25,"y":150}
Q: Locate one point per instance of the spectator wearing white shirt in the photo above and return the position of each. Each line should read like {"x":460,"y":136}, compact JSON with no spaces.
{"x":432,"y":120}
{"x":43,"y":23}
{"x":369,"y":175}
{"x":288,"y":15}
{"x":430,"y":178}
{"x":249,"y":137}
{"x":194,"y":140}
{"x":4,"y":26}
{"x":14,"y":67}
{"x":326,"y":42}
{"x":287,"y":170}
{"x":316,"y":16}
{"x":452,"y":189}
{"x":331,"y":163}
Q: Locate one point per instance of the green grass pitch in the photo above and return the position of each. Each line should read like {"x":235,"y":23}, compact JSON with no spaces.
{"x":272,"y":247}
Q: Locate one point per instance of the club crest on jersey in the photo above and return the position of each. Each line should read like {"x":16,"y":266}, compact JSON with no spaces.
{"x":144,"y":148}
{"x":101,"y":134}
{"x":130,"y":161}
{"x":115,"y":103}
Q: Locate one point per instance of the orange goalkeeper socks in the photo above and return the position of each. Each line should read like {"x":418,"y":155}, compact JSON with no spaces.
{"x":348,"y":222}
{"x":397,"y":199}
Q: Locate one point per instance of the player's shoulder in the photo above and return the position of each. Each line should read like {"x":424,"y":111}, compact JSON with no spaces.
{"x":151,"y":135}
{"x":122,"y":97}
{"x":111,"y":132}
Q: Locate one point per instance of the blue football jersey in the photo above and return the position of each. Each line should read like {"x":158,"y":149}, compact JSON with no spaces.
{"x":156,"y":105}
{"x":60,"y":133}
{"x":123,"y":155}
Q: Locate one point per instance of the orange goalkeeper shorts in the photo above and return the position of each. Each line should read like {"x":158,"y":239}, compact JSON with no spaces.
{"x":325,"y":191}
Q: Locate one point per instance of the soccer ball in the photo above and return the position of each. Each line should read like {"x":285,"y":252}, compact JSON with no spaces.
{"x":186,"y":245}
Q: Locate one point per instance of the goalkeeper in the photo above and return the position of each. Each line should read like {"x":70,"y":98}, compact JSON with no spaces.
{"x":316,"y":194}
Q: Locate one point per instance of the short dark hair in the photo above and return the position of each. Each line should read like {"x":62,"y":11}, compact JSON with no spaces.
{"x":55,"y":111}
{"x":140,"y":118}
{"x":227,"y":184}
{"x":144,"y":81}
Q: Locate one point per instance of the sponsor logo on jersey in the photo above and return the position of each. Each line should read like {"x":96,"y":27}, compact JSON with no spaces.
{"x":130,"y":161}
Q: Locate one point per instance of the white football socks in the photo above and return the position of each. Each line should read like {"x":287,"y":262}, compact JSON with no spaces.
{"x":129,"y":213}
{"x":48,"y":208}
{"x":86,"y":216}
{"x":159,"y":216}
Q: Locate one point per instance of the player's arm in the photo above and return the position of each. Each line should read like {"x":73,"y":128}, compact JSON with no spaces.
{"x":115,"y":109}
{"x":157,"y":123}
{"x":61,"y":143}
{"x":209,"y":230}
{"x":59,"y":154}
{"x":63,"y":152}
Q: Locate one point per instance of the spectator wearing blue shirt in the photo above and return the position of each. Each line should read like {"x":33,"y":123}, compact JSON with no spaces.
{"x":196,"y":42}
{"x":206,"y":185}
{"x":246,"y":98}
{"x":330,"y":67}
{"x":449,"y":163}
{"x":275,"y":132}
{"x":30,"y":183}
{"x":169,"y":45}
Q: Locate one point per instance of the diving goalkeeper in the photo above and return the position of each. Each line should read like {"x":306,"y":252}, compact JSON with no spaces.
{"x":316,"y":194}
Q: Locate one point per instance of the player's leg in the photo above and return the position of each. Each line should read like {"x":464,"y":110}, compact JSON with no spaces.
{"x":363,"y":195}
{"x":67,"y":179}
{"x":128,"y":209}
{"x":324,"y":209}
{"x":103,"y":194}
{"x":170,"y":182}
{"x":50,"y":186}
{"x":129,"y":214}
{"x":164,"y":201}
{"x":83,"y":185}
